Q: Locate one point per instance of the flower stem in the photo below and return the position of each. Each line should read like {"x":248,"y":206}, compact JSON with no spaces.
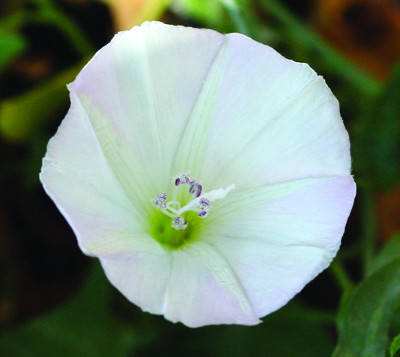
{"x":369,"y":225}
{"x":235,"y":11}
{"x":340,"y":274}
{"x":50,"y":13}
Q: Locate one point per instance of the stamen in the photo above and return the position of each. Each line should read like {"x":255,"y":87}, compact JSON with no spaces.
{"x":183,"y":178}
{"x":187,"y":179}
{"x":201,"y":203}
{"x":159,"y":201}
{"x":195,"y":188}
{"x":205,"y":205}
{"x":199,"y":189}
{"x":179,"y":223}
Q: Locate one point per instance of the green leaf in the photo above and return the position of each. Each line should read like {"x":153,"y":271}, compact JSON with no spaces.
{"x":365,"y":317}
{"x":294,"y":330}
{"x":380,"y":133}
{"x":243,"y":18}
{"x":395,"y":346}
{"x":49,"y":12}
{"x":11,"y":46}
{"x":389,"y":253}
{"x":82,"y":327}
{"x":302,"y":36}
{"x":211,"y":13}
{"x":21,"y":116}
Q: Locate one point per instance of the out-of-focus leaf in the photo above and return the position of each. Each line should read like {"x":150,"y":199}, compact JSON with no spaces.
{"x":224,"y":16}
{"x":211,"y":13}
{"x":21,"y":116}
{"x":15,"y":19}
{"x":305,"y":330}
{"x":302,"y":36}
{"x":395,"y":346}
{"x":48,"y":12}
{"x":389,"y":253}
{"x":11,"y":45}
{"x":36,"y":149}
{"x":376,"y":146}
{"x":292,"y":331}
{"x":365,"y":317}
{"x":82,"y":327}
{"x":244,"y":19}
{"x":128,"y":13}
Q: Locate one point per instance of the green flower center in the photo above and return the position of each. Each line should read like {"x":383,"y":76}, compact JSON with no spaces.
{"x":168,"y":236}
{"x":177,"y":221}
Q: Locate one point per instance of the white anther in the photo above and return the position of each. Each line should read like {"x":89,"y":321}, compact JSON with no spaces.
{"x":185,"y":178}
{"x":205,"y":204}
{"x":159,"y":201}
{"x":205,"y":207}
{"x":179,"y":223}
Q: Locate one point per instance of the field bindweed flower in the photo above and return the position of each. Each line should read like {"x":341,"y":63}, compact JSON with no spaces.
{"x":209,"y":174}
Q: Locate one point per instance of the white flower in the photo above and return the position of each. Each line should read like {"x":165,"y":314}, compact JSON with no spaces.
{"x":209,"y":174}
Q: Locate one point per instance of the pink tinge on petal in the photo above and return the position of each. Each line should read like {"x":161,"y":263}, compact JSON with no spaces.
{"x":194,"y":286}
{"x":77,"y":177}
{"x":285,"y":239}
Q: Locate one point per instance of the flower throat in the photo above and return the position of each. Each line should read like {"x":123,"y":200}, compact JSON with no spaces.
{"x":173,"y":208}
{"x":184,"y":219}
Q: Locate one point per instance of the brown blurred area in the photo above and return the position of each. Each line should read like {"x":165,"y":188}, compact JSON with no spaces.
{"x":366,"y":31}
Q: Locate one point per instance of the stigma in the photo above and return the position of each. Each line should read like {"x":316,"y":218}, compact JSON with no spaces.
{"x":199,"y":201}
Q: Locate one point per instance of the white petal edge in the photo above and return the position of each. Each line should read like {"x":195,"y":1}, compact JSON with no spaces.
{"x":77,"y":177}
{"x":274,"y":120}
{"x":277,"y":238}
{"x":195,"y":286}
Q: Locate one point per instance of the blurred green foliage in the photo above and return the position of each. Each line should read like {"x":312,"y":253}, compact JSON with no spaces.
{"x":23,"y":116}
{"x":365,"y":316}
{"x":90,"y":325}
{"x":395,"y":346}
{"x":11,"y":46}
{"x":380,"y":133}
{"x":85,"y":326}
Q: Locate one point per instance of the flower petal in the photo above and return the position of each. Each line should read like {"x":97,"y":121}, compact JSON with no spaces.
{"x":279,"y":237}
{"x":274,"y":120}
{"x":142,"y":277}
{"x":146,"y":81}
{"x":159,"y":100}
{"x":195,"y":286}
{"x":76,"y":175}
{"x":204,"y":290}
